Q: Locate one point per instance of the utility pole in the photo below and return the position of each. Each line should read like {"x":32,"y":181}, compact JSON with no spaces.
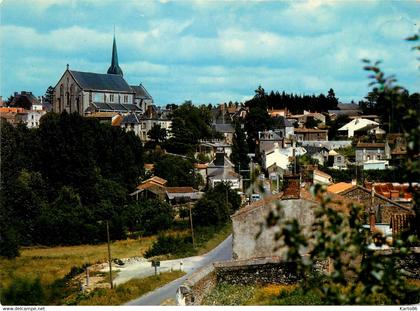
{"x":191,"y":223}
{"x":109,"y":255}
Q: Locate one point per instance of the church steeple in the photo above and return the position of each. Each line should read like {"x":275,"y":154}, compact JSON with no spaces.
{"x":114,"y":68}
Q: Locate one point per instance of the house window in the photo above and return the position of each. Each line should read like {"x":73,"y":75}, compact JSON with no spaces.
{"x":111,"y":98}
{"x":125,"y":98}
{"x":339,"y":159}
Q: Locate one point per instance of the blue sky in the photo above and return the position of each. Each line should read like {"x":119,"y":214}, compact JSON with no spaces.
{"x":209,"y":51}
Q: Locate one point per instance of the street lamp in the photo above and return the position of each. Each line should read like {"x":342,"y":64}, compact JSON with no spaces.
{"x":109,"y":252}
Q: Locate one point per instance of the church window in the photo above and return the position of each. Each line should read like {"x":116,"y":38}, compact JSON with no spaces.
{"x":98,"y":98}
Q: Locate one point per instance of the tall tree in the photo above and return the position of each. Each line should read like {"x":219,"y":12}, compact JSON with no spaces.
{"x":239,"y":155}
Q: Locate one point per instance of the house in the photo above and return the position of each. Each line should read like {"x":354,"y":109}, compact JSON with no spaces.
{"x":372,"y":151}
{"x":201,"y":168}
{"x":340,"y":187}
{"x":384,"y":208}
{"x":221,"y":169}
{"x":180,"y":195}
{"x":141,"y":125}
{"x":88,"y":92}
{"x":226,"y":130}
{"x":358,"y":126}
{"x":275,"y":157}
{"x":307,"y":116}
{"x":107,"y":117}
{"x":337,"y":160}
{"x":267,"y":139}
{"x":152,"y":188}
{"x":26,"y":100}
{"x":296,"y":203}
{"x":396,"y":192}
{"x":211,"y":147}
{"x":375,"y":165}
{"x":322,"y":178}
{"x":30,"y":117}
{"x":306,"y":134}
{"x":318,"y":153}
{"x":349,"y":110}
{"x":275,"y":113}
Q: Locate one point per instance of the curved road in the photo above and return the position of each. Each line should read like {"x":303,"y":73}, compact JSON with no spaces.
{"x":222,"y":252}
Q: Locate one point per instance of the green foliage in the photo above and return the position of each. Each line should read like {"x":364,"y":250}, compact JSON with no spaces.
{"x":189,"y":124}
{"x":203,"y":158}
{"x":229,"y":295}
{"x":340,"y":240}
{"x":24,"y":292}
{"x":177,"y":171}
{"x":169,"y":245}
{"x":148,"y":216}
{"x":71,"y":172}
{"x":157,"y":134}
{"x":239,"y":155}
{"x":215,"y":207}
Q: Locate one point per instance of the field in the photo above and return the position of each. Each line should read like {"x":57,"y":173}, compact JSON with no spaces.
{"x":127,"y":291}
{"x":50,"y":264}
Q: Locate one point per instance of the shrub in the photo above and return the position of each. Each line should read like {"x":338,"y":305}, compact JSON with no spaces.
{"x":169,"y":245}
{"x":24,"y":292}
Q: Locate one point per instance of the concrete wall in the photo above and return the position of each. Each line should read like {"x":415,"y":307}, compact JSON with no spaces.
{"x":246,"y":227}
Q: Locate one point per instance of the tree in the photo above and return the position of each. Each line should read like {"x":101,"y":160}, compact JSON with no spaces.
{"x":157,"y":134}
{"x":215,"y":207}
{"x":239,"y":155}
{"x":177,"y":171}
{"x":189,"y":124}
{"x":49,"y":95}
{"x":149,"y":216}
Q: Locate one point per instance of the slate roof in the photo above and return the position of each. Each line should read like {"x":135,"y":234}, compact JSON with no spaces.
{"x":116,"y":107}
{"x":224,"y":128}
{"x":283,"y":122}
{"x":130,"y":118}
{"x":311,"y":150}
{"x":141,"y":92}
{"x":100,"y":81}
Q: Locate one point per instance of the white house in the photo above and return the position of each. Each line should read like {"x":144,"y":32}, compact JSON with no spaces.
{"x":358,"y":125}
{"x":322,"y":178}
{"x":275,"y":156}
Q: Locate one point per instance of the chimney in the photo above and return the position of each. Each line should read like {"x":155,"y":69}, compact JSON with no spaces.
{"x":353,"y":182}
{"x":372,"y":220}
{"x":220,"y":158}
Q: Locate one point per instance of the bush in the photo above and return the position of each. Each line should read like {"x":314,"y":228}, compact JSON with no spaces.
{"x":24,"y":292}
{"x":216,"y":206}
{"x":169,"y":245}
{"x":149,"y":216}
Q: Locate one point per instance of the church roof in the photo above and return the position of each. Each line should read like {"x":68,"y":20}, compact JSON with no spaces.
{"x":101,"y":82}
{"x":141,"y":91}
{"x":114,"y":68}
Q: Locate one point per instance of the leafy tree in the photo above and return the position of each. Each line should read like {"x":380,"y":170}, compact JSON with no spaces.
{"x":215,"y":207}
{"x":177,"y":171}
{"x":239,"y":155}
{"x":257,"y":118}
{"x":157,"y":134}
{"x":49,"y":95}
{"x":189,"y":124}
{"x":24,"y":292}
{"x":149,"y":216}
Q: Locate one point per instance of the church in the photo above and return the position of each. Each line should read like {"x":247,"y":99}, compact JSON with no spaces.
{"x":88,"y":92}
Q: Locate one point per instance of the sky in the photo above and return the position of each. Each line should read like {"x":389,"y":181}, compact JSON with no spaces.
{"x":210,"y":51}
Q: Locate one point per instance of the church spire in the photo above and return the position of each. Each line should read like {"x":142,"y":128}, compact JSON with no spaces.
{"x":114,"y":68}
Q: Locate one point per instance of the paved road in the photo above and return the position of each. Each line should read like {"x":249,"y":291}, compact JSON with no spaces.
{"x":222,"y":252}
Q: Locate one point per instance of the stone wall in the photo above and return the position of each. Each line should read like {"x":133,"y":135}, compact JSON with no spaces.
{"x":199,"y":284}
{"x":270,"y":270}
{"x":256,"y":271}
{"x":387,"y":207}
{"x":247,"y":224}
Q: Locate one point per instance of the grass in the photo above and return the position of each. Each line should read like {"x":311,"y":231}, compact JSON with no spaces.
{"x":125,"y":292}
{"x":274,"y":294}
{"x":206,"y":238}
{"x":52,"y":263}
